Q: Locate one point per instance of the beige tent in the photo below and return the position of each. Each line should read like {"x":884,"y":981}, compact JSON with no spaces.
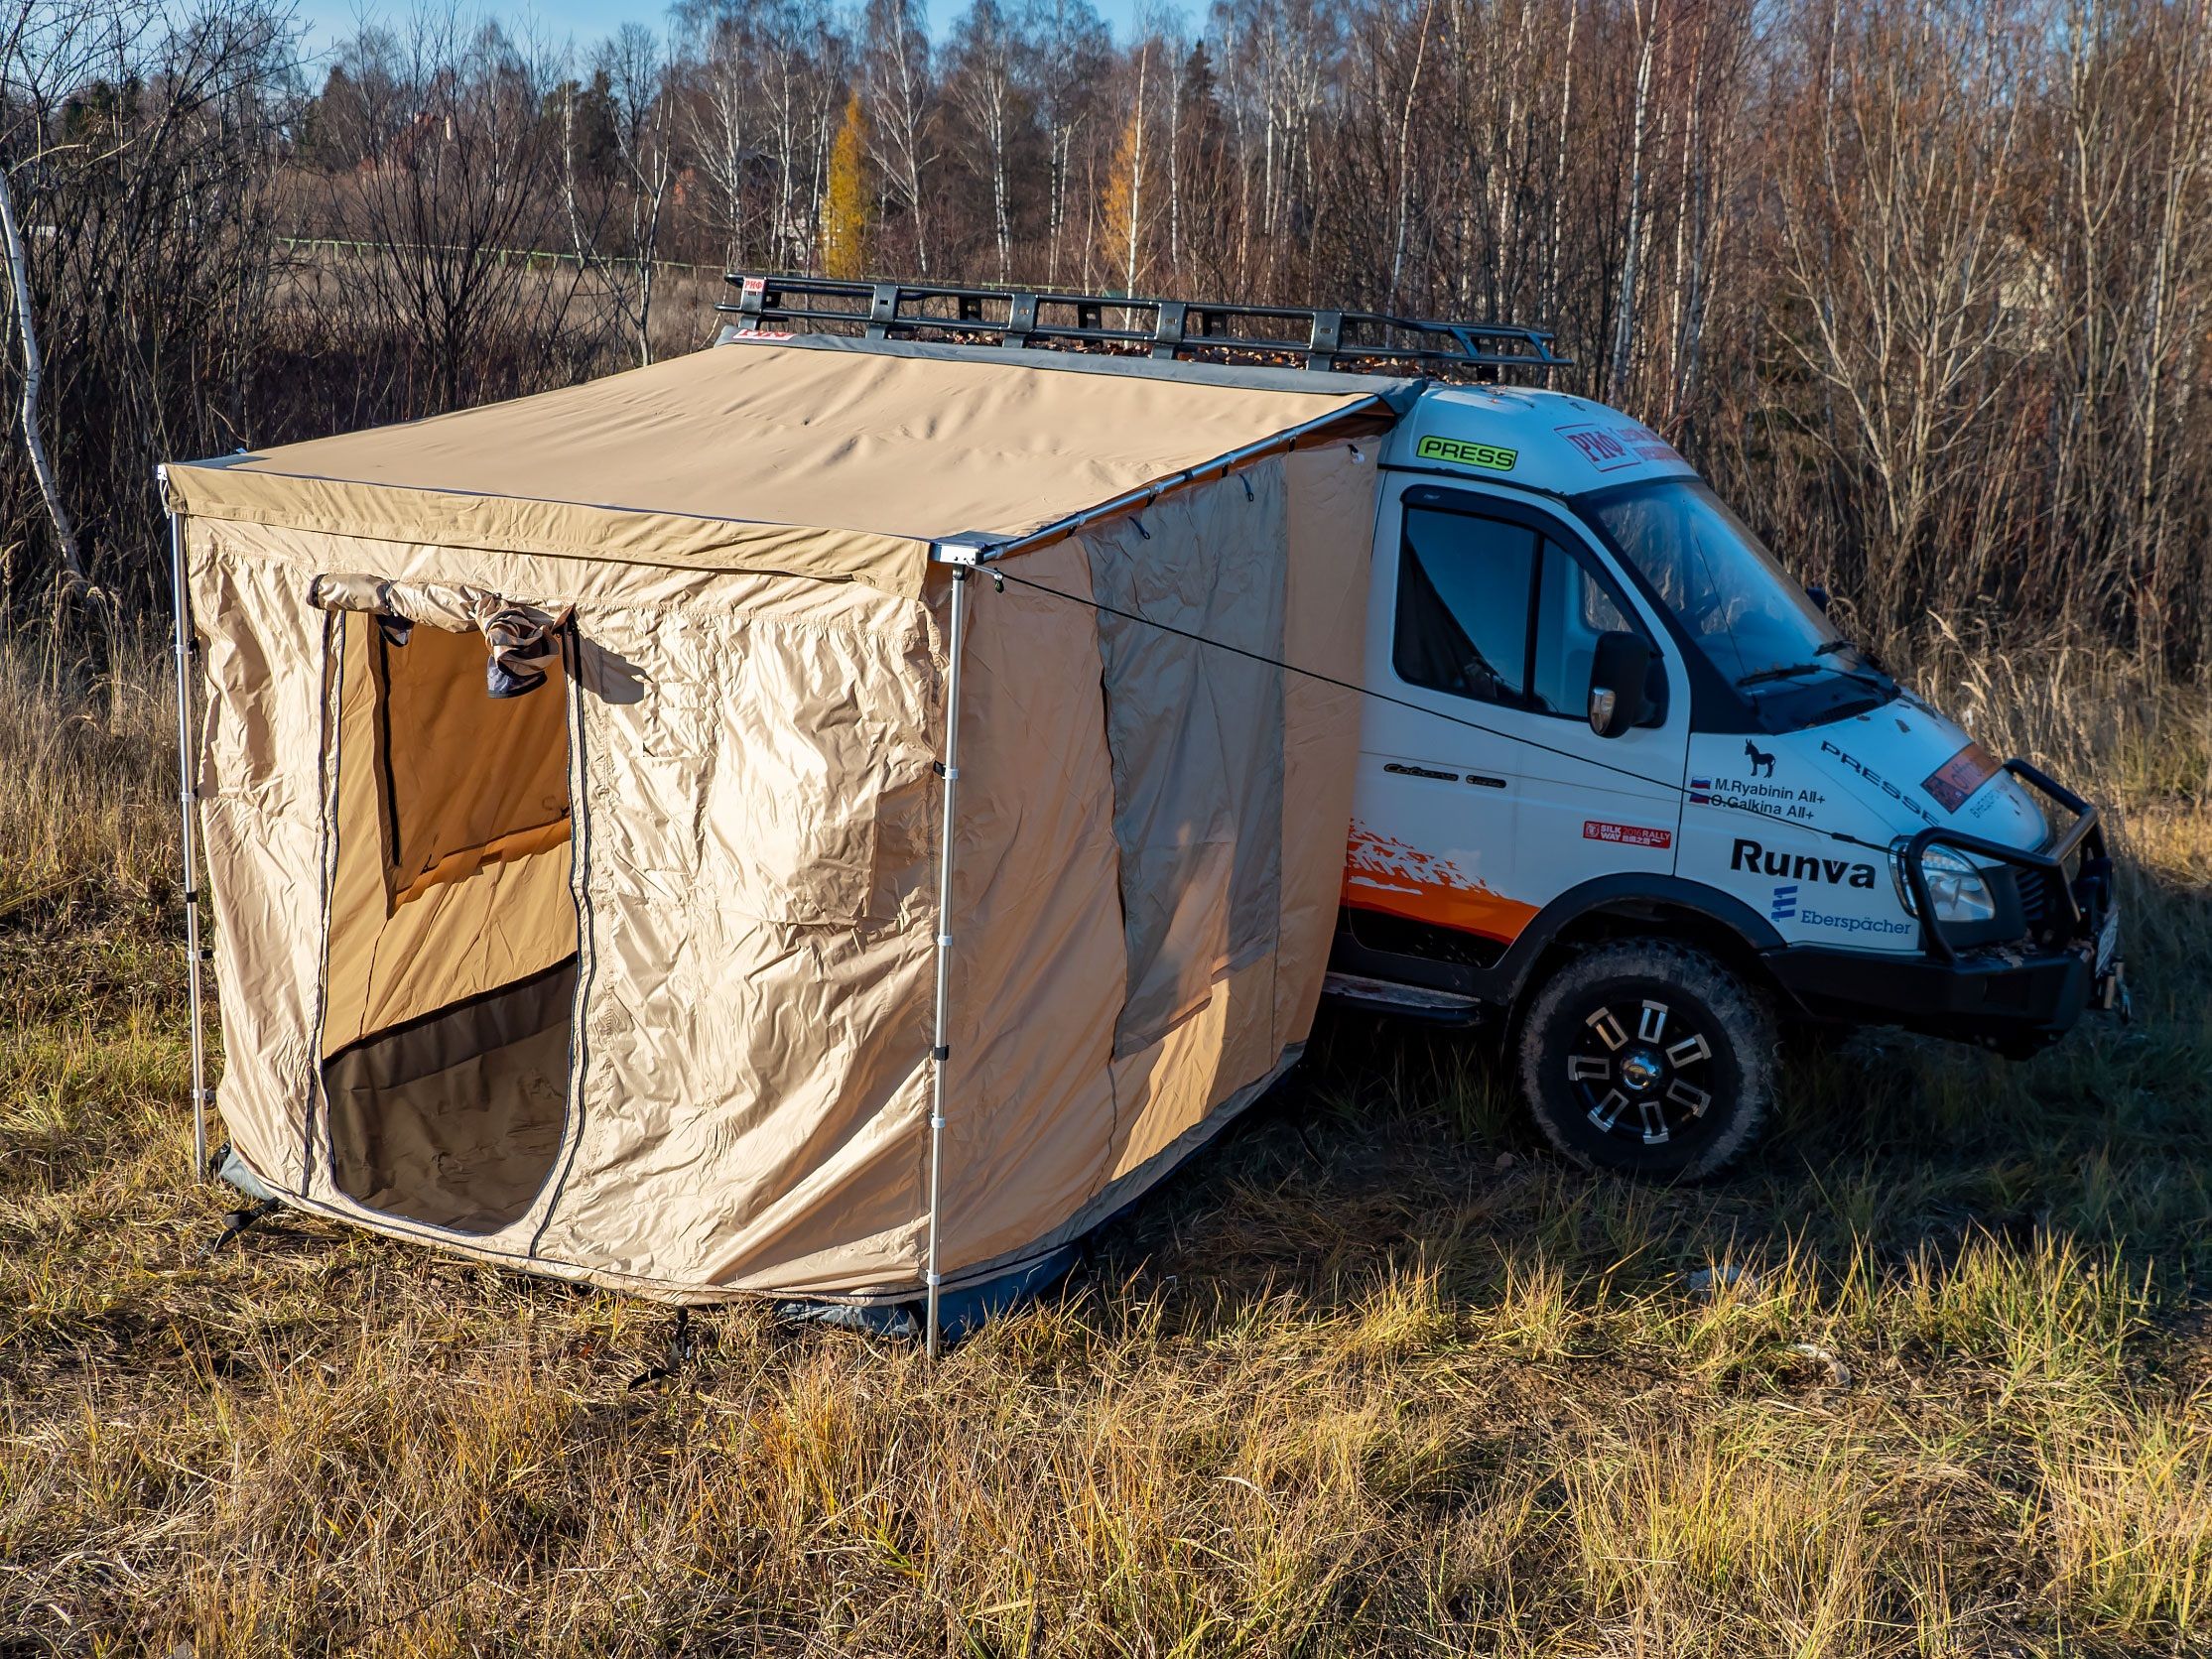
{"x":598,"y":886}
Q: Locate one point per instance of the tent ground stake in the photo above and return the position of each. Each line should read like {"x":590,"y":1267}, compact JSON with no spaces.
{"x":683,"y":1349}
{"x":932,"y":1337}
{"x":237,"y":1221}
{"x":187,"y":801}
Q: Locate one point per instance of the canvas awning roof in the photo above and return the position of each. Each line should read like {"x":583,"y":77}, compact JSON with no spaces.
{"x":819,"y":458}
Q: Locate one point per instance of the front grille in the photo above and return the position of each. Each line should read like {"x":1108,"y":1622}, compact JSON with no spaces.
{"x":2049,"y":903}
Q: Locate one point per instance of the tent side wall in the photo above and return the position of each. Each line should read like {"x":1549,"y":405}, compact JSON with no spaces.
{"x":262,"y":814}
{"x":1038,"y":968}
{"x":754,"y":843}
{"x":1141,"y":927}
{"x":759,"y":848}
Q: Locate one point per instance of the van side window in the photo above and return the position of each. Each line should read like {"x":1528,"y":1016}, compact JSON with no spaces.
{"x":1573,"y":607}
{"x":1464,"y":590}
{"x":1501,"y":614}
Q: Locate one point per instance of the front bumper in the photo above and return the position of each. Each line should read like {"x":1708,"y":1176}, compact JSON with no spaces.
{"x":2016,"y":997}
{"x":2000,"y":999}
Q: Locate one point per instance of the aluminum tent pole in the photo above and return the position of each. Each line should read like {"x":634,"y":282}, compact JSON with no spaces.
{"x":187,"y":801}
{"x":962,"y":560}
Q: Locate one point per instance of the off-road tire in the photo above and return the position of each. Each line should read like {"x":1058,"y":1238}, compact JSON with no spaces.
{"x":1601,"y":1089}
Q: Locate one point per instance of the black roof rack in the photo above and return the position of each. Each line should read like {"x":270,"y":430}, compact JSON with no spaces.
{"x":1205,"y":330}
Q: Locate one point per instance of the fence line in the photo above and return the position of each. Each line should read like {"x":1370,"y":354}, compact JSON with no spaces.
{"x":526,"y":256}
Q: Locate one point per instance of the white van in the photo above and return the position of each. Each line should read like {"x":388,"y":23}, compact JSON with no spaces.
{"x":1624,"y":790}
{"x":1622,"y":778}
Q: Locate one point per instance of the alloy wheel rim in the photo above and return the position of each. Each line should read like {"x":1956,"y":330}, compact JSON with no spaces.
{"x":1643,"y":1070}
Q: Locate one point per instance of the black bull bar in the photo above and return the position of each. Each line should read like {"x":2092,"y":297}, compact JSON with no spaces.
{"x":2084,"y":896}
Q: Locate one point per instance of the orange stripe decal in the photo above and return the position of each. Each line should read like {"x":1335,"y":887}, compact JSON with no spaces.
{"x":1383,"y":874}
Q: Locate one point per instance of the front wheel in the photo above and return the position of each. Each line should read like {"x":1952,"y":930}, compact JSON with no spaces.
{"x":1649,"y":1058}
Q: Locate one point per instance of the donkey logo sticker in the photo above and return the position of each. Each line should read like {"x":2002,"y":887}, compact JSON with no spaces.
{"x":1763,"y":763}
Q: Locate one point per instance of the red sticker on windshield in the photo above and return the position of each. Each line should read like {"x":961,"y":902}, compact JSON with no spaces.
{"x":1960,"y":775}
{"x":1619,"y":443}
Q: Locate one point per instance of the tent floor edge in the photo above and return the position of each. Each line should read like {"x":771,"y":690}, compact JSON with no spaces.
{"x":960,"y":1312}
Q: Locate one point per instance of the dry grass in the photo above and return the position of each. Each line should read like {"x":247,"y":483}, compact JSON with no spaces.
{"x":1372,"y":1378}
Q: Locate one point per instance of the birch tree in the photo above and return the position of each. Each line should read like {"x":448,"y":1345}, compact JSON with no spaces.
{"x":984,"y":86}
{"x":618,"y":238}
{"x":897,"y":67}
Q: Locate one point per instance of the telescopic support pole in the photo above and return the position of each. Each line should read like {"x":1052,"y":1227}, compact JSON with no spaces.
{"x":187,"y":801}
{"x":940,"y":1051}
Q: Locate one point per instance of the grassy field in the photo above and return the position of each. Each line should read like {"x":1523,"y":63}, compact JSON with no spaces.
{"x":1373,"y":1375}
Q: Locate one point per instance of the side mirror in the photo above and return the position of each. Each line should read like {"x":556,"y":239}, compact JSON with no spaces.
{"x":1819,"y":596}
{"x":1620,"y":670}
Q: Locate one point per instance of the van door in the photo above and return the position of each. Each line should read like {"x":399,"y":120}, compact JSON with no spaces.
{"x":1483,"y":794}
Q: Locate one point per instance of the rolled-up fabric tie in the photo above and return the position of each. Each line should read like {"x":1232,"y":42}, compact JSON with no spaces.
{"x":516,"y":635}
{"x":517,"y":638}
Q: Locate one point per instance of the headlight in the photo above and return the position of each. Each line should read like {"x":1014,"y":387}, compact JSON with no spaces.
{"x":1955,"y":886}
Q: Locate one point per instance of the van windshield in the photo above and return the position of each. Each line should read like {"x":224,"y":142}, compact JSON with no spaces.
{"x":1734,"y":599}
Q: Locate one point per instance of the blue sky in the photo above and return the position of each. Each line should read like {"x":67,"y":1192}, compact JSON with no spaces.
{"x":331,"y":21}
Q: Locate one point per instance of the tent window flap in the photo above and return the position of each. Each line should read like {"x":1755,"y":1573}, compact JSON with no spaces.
{"x":466,"y":780}
{"x":472,"y":769}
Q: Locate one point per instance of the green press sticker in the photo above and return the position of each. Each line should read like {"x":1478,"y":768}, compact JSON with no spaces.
{"x":1458,"y":452}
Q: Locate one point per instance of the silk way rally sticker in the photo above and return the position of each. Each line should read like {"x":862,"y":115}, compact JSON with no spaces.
{"x":1626,"y":834}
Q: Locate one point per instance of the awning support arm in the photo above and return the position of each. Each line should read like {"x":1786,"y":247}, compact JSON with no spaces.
{"x":187,"y":801}
{"x":940,"y":1051}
